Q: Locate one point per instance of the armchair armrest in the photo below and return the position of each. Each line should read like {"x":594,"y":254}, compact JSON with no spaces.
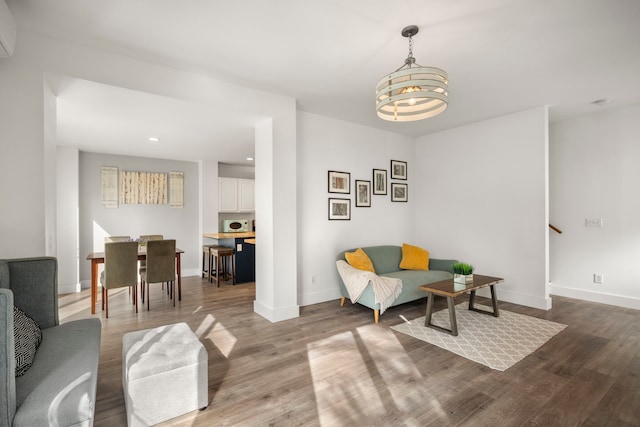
{"x":442,"y":264}
{"x":34,"y":283}
{"x":7,"y":359}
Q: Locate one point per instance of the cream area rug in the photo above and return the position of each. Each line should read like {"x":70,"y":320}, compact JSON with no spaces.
{"x":497,"y":342}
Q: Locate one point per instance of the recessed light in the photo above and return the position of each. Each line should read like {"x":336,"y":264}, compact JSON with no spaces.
{"x":250,"y":158}
{"x":154,"y":139}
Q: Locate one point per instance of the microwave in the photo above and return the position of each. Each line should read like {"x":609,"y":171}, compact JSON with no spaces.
{"x":235,"y":225}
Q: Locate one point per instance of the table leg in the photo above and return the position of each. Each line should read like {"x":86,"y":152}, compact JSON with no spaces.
{"x":94,"y":285}
{"x":452,"y":315}
{"x":494,"y":303}
{"x":180,"y":277}
{"x":427,"y":319}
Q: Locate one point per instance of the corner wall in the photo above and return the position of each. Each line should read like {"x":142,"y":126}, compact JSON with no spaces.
{"x":594,"y":173}
{"x":481,"y":195}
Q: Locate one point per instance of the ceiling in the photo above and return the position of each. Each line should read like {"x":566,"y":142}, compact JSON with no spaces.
{"x":502,"y":56}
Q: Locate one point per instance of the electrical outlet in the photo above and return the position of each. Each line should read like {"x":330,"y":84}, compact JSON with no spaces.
{"x":598,"y":278}
{"x":239,"y":247}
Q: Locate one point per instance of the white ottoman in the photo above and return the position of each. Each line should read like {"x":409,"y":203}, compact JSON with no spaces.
{"x":164,"y":374}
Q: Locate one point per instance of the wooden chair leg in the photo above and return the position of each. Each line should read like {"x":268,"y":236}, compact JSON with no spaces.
{"x":233,"y":270}
{"x":218,"y":269}
{"x":135,"y":295}
{"x":148,"y":295}
{"x":106,"y":300}
{"x":376,"y":315}
{"x":102,"y":287}
{"x":342,"y":301}
{"x":172,"y":287}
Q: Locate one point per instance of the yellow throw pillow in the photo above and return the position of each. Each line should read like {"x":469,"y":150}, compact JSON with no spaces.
{"x":360,"y":260}
{"x":414,"y":258}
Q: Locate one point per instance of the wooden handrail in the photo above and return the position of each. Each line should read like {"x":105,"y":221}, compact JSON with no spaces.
{"x":554,"y":228}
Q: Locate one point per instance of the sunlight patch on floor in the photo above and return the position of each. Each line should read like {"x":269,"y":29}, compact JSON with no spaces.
{"x":220,"y":336}
{"x":345,"y":393}
{"x":394,"y":366}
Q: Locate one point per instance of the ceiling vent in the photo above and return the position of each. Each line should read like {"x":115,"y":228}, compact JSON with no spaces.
{"x":7,"y":31}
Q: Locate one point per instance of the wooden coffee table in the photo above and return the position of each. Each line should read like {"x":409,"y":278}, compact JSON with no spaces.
{"x":449,"y":289}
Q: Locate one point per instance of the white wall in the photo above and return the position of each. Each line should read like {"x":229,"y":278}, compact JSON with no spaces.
{"x":67,"y":226}
{"x":326,"y":144}
{"x":594,"y":174}
{"x":21,"y":157}
{"x":481,"y":197}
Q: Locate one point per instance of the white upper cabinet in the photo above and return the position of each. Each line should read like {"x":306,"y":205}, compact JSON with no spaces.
{"x":246,"y":195}
{"x":236,"y":195}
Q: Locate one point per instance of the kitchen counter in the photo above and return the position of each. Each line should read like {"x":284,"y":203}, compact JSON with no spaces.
{"x":244,"y":253}
{"x":244,"y":235}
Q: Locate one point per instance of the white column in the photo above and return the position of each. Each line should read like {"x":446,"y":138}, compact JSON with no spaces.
{"x":276,"y":219}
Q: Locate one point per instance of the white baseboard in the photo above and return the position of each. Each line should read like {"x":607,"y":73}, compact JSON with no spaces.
{"x":318,"y":297}
{"x":517,"y":298}
{"x":69,"y":288}
{"x":276,"y":315}
{"x":601,"y":297}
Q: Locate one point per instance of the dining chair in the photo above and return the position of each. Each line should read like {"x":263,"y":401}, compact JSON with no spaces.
{"x":120,"y":270}
{"x":144,"y":238}
{"x":112,"y":239}
{"x":161,"y":265}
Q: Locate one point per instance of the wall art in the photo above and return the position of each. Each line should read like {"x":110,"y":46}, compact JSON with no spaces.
{"x":339,"y":209}
{"x":339,"y":182}
{"x":399,"y":192}
{"x":363,"y":193}
{"x":379,"y":181}
{"x":398,"y":169}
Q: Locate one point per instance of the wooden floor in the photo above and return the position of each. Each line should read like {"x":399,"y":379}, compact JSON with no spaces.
{"x":333,"y":366}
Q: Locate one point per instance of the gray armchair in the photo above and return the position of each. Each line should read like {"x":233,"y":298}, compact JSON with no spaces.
{"x":60,"y":386}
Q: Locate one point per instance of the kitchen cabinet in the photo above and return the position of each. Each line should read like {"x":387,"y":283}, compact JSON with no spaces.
{"x":236,"y":195}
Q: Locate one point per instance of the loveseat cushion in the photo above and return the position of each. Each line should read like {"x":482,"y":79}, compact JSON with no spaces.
{"x":27,"y":338}
{"x":360,"y":260}
{"x":414,"y":258}
{"x":61,"y":384}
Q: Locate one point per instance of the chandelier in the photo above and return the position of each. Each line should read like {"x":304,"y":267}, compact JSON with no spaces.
{"x":412,"y":92}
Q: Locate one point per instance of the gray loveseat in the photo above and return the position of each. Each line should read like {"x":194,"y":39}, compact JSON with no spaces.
{"x":60,"y":387}
{"x":386,"y":262}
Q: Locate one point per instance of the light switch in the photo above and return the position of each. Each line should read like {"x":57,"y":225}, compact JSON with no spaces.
{"x":238,"y":247}
{"x":593,"y":222}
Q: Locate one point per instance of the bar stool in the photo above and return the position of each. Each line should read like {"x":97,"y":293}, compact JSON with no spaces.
{"x":222,"y":254}
{"x":206,"y":265}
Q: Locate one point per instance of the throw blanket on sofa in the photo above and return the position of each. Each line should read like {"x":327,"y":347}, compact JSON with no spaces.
{"x":385,"y":289}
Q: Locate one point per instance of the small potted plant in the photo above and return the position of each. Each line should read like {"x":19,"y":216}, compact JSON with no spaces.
{"x":462,"y":273}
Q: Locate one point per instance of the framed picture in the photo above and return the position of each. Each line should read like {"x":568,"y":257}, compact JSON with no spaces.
{"x":398,"y":192}
{"x":398,"y":169}
{"x":339,"y":209}
{"x":363,"y":194}
{"x":379,"y":181}
{"x":339,"y":182}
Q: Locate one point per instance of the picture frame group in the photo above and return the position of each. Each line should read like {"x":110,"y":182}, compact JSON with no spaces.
{"x":339,"y":182}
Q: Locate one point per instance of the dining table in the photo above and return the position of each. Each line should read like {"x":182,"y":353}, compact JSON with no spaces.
{"x":97,"y":258}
